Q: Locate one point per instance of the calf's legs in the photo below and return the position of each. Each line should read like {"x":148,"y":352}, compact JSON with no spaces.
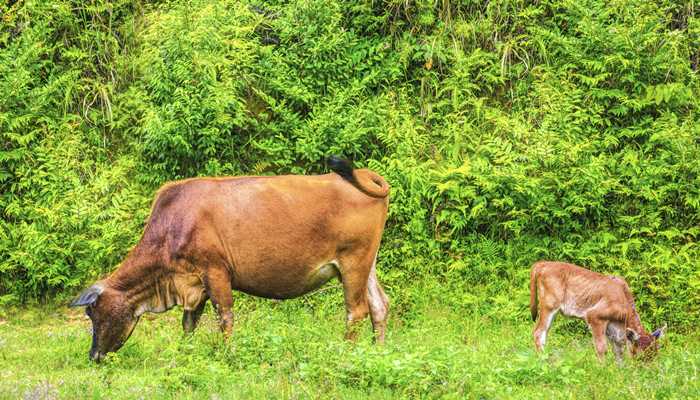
{"x":600,"y":340}
{"x":619,"y":349}
{"x":544,"y":322}
{"x":616,"y":336}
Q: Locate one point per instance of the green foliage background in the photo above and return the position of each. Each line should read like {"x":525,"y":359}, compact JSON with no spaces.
{"x":510,"y":131}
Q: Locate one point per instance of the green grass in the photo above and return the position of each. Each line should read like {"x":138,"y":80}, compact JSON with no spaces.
{"x":294,"y":349}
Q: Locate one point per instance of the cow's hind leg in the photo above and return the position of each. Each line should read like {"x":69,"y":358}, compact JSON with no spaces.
{"x":354,"y":271}
{"x":378,"y":304}
{"x":190,"y":318}
{"x":218,"y":286}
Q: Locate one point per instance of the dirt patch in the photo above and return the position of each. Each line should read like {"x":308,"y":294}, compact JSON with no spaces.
{"x":42,"y":391}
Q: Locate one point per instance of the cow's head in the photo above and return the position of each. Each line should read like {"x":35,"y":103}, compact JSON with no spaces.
{"x":645,"y":345}
{"x":112,"y":317}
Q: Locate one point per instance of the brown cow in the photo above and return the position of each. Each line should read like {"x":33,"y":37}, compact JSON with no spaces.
{"x":604,"y":302}
{"x":277,"y":237}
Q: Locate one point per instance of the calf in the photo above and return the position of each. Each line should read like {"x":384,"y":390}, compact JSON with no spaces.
{"x":277,"y":237}
{"x":604,"y":302}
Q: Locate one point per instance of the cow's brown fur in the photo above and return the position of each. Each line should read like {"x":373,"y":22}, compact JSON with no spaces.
{"x":604,"y":302}
{"x":275,"y":237}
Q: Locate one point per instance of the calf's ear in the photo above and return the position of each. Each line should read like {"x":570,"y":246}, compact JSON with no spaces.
{"x":659,"y":332}
{"x":88,"y":297}
{"x":632,"y":335}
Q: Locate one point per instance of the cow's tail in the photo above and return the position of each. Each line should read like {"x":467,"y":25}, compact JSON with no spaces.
{"x":368,"y":182}
{"x":533,"y":290}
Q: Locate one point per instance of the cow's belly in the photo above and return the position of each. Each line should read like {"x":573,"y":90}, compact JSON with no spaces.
{"x":284,"y":281}
{"x":286,"y":251}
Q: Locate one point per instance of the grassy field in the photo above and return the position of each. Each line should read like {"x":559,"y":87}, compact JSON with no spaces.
{"x":294,"y":349}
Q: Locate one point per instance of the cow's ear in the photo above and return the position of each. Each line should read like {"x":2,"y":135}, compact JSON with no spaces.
{"x":88,"y":297}
{"x":659,"y":332}
{"x":632,"y":335}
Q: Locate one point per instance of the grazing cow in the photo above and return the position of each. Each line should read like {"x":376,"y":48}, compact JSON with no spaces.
{"x":277,"y":237}
{"x":604,"y":302}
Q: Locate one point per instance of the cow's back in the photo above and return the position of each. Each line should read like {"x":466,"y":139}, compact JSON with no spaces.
{"x":270,"y":232}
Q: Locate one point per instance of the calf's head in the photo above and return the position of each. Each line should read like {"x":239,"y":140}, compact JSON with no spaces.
{"x":112,"y":317}
{"x":645,"y":345}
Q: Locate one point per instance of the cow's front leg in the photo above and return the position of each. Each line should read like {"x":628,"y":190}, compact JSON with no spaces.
{"x":190,"y":318}
{"x":218,"y":285}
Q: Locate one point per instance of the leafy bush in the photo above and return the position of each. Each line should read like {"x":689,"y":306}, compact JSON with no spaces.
{"x":510,"y":132}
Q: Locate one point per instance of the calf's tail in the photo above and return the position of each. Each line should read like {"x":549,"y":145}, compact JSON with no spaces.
{"x":533,"y":291}
{"x":368,"y":182}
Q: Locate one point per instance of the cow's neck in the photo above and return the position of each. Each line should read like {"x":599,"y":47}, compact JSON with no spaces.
{"x":147,"y":290}
{"x":161,"y":296}
{"x":158,"y":289}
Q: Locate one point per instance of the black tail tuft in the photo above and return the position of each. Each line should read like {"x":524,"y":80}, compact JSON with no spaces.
{"x":341,"y":167}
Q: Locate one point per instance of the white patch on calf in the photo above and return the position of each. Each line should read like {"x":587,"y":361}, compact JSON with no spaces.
{"x":571,"y":309}
{"x":542,"y":338}
{"x":615,"y":332}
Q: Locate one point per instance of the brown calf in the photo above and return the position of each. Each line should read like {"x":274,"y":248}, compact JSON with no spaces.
{"x":604,"y":302}
{"x":270,"y":236}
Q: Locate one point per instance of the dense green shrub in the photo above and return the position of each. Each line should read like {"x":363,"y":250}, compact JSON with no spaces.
{"x":510,"y":131}
{"x":66,"y":192}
